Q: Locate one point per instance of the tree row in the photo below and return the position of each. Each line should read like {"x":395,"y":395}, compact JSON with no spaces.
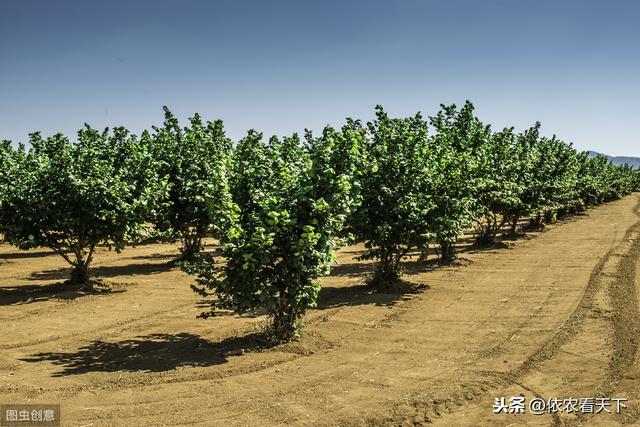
{"x":281,"y":206}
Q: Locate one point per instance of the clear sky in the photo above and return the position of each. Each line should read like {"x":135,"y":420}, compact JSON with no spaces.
{"x":281,"y":66}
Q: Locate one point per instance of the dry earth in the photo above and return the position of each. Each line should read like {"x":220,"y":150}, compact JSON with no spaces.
{"x":554,"y":314}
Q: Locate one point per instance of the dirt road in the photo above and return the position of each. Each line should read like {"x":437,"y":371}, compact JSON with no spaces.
{"x":553,"y":315}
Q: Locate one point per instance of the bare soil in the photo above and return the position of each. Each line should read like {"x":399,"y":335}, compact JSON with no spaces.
{"x":552,"y":314}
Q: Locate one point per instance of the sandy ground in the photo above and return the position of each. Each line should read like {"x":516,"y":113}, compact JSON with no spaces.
{"x":551,"y":315}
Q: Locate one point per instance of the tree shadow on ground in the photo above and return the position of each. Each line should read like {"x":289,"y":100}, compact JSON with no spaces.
{"x":105,"y":271}
{"x":27,"y":294}
{"x":26,"y":254}
{"x":210,"y":250}
{"x":206,"y":306}
{"x":149,"y":353}
{"x":364,"y":294}
{"x":354,"y":269}
{"x":476,"y":247}
{"x":355,"y":251}
{"x":158,"y":256}
{"x":413,"y":263}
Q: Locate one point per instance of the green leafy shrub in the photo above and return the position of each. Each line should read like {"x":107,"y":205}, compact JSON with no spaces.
{"x":195,"y":162}
{"x":396,"y":202}
{"x":290,"y":202}
{"x":73,"y":197}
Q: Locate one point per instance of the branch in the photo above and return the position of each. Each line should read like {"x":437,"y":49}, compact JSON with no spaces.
{"x":57,"y":250}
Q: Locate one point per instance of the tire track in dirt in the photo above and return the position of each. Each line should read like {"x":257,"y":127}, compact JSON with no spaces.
{"x":468,"y":392}
{"x":624,"y":331}
{"x":626,"y":315}
{"x":624,"y":326}
{"x":141,"y":380}
{"x":145,"y":379}
{"x":86,"y":305}
{"x":359,"y":366}
{"x":571,"y":327}
{"x":587,"y":300}
{"x":158,"y":406}
{"x":498,"y":348}
{"x":554,"y":416}
{"x":121,"y":325}
{"x":116,"y":327}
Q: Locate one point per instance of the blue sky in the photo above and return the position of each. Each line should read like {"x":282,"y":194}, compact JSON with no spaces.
{"x":283,"y":66}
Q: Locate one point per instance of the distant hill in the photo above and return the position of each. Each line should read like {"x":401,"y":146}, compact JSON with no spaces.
{"x":619,"y":160}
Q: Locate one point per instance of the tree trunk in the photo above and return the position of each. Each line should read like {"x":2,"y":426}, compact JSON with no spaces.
{"x":537,"y":222}
{"x":514,"y":225}
{"x":285,"y":321}
{"x":424,"y":253}
{"x":284,"y":326}
{"x":387,"y":271}
{"x":80,"y":273}
{"x":487,"y":230}
{"x":447,"y":250}
{"x":550,"y":217}
{"x":191,"y":247}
